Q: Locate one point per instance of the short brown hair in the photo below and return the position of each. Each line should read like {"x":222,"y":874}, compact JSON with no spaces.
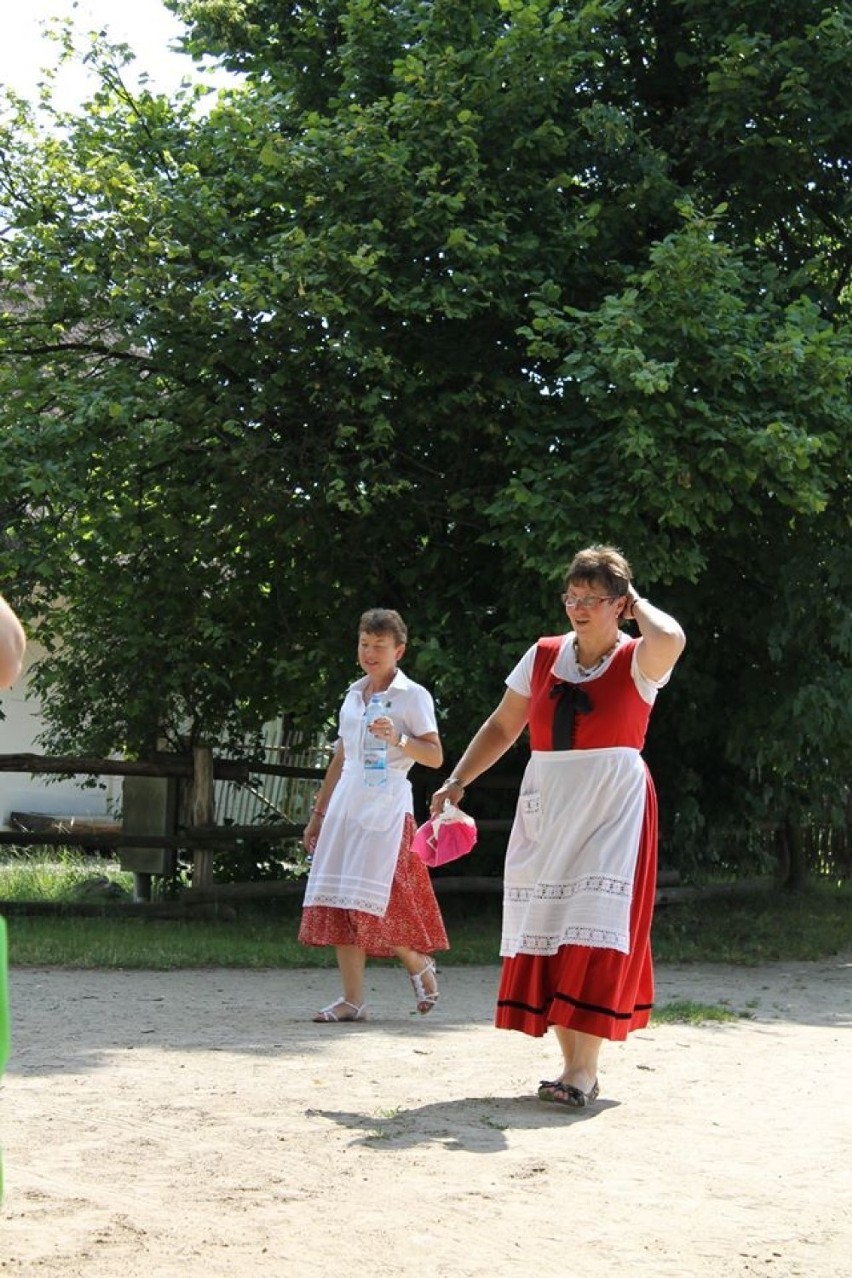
{"x":383,"y":621}
{"x":600,"y":566}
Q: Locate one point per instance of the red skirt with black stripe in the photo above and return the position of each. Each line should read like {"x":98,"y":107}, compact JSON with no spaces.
{"x":594,"y":991}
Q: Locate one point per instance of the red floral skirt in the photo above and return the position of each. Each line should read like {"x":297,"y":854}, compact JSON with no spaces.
{"x":412,"y":919}
{"x":595,"y":991}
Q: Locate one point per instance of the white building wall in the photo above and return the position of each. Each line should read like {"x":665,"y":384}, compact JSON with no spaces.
{"x":20,"y":792}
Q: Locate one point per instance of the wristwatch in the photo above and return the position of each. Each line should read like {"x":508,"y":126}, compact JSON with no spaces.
{"x":403,"y":741}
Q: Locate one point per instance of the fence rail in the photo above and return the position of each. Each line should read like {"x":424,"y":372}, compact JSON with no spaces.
{"x":163,"y":766}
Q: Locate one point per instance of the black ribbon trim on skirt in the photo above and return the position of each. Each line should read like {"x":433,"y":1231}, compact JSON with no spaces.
{"x":542,"y":1010}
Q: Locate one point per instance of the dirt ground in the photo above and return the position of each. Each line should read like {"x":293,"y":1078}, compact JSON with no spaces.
{"x":198,"y":1124}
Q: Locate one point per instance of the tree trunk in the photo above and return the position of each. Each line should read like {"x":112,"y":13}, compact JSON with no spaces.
{"x":791,"y":856}
{"x":203,"y":812}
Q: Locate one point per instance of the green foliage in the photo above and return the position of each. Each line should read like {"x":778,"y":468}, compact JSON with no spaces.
{"x":256,"y":860}
{"x":438,"y":294}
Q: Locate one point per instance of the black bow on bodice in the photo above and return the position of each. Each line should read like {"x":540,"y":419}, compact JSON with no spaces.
{"x":572,"y":701}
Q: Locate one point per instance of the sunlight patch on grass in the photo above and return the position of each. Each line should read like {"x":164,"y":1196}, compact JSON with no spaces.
{"x":687,"y":1012}
{"x":57,"y":874}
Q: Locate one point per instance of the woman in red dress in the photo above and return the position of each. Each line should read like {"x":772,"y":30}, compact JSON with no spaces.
{"x":581,"y":863}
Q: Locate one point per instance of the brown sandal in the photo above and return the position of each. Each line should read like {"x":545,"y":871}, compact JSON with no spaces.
{"x":558,"y":1093}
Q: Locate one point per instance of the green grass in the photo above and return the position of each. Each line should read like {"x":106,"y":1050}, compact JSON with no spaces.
{"x":687,"y":1012}
{"x":54,"y":875}
{"x":750,"y":928}
{"x":158,"y":944}
{"x":762,"y":926}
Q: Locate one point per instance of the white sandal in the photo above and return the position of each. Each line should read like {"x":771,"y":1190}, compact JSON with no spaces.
{"x":425,"y":1000}
{"x":327,"y":1015}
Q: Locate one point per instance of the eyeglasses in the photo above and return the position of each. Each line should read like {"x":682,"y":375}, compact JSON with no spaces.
{"x":587,"y":601}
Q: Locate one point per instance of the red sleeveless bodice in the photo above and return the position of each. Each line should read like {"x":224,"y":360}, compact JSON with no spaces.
{"x":619,"y":716}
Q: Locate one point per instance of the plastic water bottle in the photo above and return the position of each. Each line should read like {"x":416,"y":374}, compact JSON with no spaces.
{"x":375,"y":749}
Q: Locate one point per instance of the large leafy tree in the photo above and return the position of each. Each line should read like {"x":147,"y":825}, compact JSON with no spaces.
{"x":438,"y":294}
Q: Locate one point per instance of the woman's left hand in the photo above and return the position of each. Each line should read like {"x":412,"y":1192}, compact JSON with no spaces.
{"x":632,"y":596}
{"x":450,"y":792}
{"x":384,"y":729}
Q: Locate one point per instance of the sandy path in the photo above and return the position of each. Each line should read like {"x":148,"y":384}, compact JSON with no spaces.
{"x":198,"y":1124}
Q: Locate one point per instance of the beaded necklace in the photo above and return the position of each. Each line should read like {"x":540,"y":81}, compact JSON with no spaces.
{"x":586,"y":671}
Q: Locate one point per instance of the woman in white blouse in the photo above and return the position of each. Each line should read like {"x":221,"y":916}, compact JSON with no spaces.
{"x":368,"y":894}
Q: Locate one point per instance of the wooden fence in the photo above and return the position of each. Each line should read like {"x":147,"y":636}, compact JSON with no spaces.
{"x":200,"y":836}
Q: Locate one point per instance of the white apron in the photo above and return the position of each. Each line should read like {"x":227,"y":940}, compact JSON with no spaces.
{"x":355,"y":859}
{"x":357,"y":850}
{"x":573,"y":850}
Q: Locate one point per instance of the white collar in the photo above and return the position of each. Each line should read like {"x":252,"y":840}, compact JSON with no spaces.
{"x":399,"y":683}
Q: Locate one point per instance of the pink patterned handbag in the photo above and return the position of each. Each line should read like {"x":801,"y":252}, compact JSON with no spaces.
{"x":445,"y":837}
